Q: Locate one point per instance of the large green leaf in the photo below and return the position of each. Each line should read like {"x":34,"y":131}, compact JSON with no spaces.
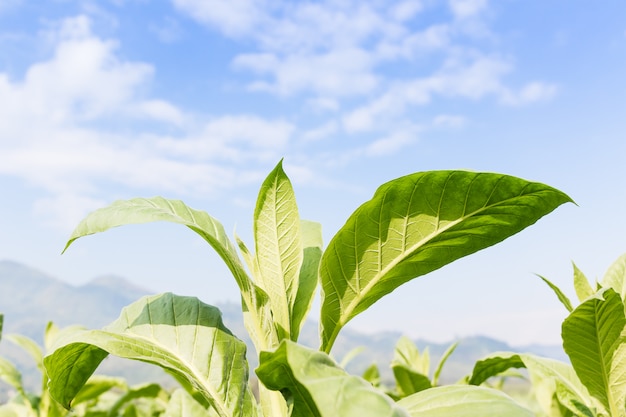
{"x":316,"y":386}
{"x":593,"y":338}
{"x":180,"y":334}
{"x":615,"y":276}
{"x":462,"y":401}
{"x":416,"y":224}
{"x":278,"y":247}
{"x":144,"y":210}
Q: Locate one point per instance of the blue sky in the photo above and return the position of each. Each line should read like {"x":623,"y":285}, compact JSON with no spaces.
{"x":199,"y":99}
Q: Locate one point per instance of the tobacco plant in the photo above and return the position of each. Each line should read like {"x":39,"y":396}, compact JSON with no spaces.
{"x":412,"y":225}
{"x":594,"y":338}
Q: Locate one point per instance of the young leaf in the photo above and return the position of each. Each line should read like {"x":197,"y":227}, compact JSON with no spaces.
{"x":316,"y":386}
{"x":183,"y":404}
{"x":581,"y":285}
{"x":592,"y":338}
{"x":410,"y":368}
{"x":180,"y":334}
{"x":545,"y":374}
{"x":30,"y":346}
{"x":312,"y":244}
{"x":615,"y":276}
{"x":256,"y":309}
{"x":560,"y":295}
{"x":416,"y":224}
{"x":10,"y":375}
{"x":442,"y":362}
{"x":462,"y":401}
{"x":278,"y":247}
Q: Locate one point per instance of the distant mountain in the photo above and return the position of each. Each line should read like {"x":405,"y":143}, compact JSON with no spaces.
{"x":30,"y":298}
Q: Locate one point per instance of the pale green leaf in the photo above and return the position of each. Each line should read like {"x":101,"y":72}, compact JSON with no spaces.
{"x":145,"y":210}
{"x":544,"y":373}
{"x":30,"y":346}
{"x":615,"y":276}
{"x":316,"y":386}
{"x":592,"y":338}
{"x":183,"y":404}
{"x":410,"y":368}
{"x":462,"y":401}
{"x":560,"y":294}
{"x":372,"y":375}
{"x":180,"y":334}
{"x":10,"y":374}
{"x":145,"y":391}
{"x":581,"y":285}
{"x":278,"y":247}
{"x":312,"y":244}
{"x":443,"y":361}
{"x":98,"y":385}
{"x":416,"y":224}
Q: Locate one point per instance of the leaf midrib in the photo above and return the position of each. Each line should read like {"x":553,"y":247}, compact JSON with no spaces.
{"x":356,"y":301}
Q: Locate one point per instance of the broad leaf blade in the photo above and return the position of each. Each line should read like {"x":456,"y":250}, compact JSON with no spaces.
{"x":416,"y":224}
{"x":180,"y":334}
{"x":592,"y":338}
{"x":278,"y":247}
{"x":410,"y":368}
{"x":145,"y":210}
{"x":463,"y":401}
{"x":318,"y":387}
{"x":615,"y":276}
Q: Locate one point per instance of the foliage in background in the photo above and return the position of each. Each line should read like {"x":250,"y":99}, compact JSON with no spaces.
{"x":412,"y":226}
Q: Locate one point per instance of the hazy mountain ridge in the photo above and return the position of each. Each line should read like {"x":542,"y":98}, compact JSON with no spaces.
{"x":30,"y":298}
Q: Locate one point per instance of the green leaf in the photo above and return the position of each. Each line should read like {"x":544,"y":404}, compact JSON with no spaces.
{"x":150,"y":390}
{"x":442,"y":362}
{"x":416,"y":224}
{"x":410,"y":368}
{"x":278,"y":247}
{"x":1,"y":324}
{"x":183,"y":404}
{"x":180,"y":334}
{"x":560,"y":295}
{"x":312,"y":244}
{"x":315,"y":386}
{"x":10,"y":375}
{"x":546,"y":375}
{"x":372,"y":375}
{"x":593,"y":340}
{"x":30,"y":346}
{"x":462,"y":401}
{"x":256,"y":309}
{"x":581,"y":285}
{"x":615,"y":276}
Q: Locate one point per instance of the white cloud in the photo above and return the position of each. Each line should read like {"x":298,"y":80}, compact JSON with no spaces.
{"x":391,"y":144}
{"x":233,"y":17}
{"x":337,"y":73}
{"x":69,"y":127}
{"x":464,"y":9}
{"x":449,"y":120}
